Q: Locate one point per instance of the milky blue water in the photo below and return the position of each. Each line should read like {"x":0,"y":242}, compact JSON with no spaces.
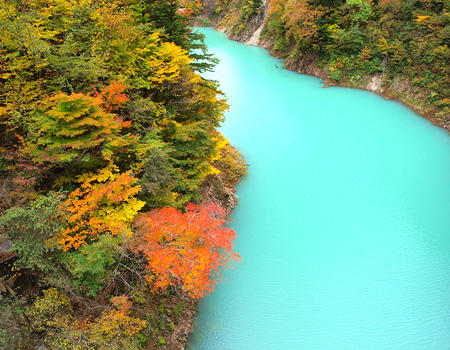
{"x":343,"y":220}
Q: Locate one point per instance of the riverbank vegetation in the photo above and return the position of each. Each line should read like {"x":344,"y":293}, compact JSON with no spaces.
{"x":108,"y":141}
{"x":396,"y":48}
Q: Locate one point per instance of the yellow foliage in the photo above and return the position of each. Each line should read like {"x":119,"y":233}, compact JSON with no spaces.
{"x":220,"y":143}
{"x":105,"y":203}
{"x":333,"y":27}
{"x":421,"y":18}
{"x":115,"y":326}
{"x":48,"y":310}
{"x":156,"y":64}
{"x":300,"y":18}
{"x":229,"y":162}
{"x":365,"y":53}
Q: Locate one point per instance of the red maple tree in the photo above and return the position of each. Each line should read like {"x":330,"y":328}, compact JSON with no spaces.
{"x":185,"y":249}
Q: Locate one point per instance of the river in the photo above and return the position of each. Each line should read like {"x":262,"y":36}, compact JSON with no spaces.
{"x":343,"y":221}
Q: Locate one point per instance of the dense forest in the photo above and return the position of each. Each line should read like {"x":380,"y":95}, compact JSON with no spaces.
{"x":396,"y":48}
{"x":114,"y":182}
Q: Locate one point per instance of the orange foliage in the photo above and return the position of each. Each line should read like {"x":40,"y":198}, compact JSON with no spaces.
{"x":113,"y":97}
{"x":276,"y":7}
{"x":185,"y":12}
{"x":185,"y":249}
{"x":421,"y":18}
{"x":301,"y":19}
{"x":188,"y":7}
{"x":104,"y":203}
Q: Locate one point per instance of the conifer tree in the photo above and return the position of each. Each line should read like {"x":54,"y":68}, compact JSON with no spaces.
{"x":73,"y":128}
{"x":164,"y":15}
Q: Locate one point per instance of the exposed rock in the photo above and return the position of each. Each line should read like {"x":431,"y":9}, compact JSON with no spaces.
{"x":178,"y":339}
{"x":254,"y":39}
{"x":215,"y":191}
{"x":256,"y":36}
{"x":5,"y":249}
{"x":375,"y":83}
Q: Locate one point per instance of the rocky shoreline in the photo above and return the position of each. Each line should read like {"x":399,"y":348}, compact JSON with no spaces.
{"x":217,"y":190}
{"x":399,"y":89}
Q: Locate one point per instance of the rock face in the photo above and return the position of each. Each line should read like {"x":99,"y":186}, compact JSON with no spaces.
{"x":374,"y":84}
{"x":5,"y":249}
{"x":255,"y":38}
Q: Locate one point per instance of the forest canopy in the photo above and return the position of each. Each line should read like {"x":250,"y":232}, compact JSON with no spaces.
{"x":104,"y":118}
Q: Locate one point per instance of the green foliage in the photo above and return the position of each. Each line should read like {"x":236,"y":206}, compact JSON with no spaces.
{"x":192,"y":149}
{"x":89,"y":264}
{"x":30,"y":229}
{"x":198,"y":51}
{"x":360,"y":10}
{"x":335,"y":75}
{"x":159,"y":177}
{"x":103,"y":101}
{"x":74,"y":129}
{"x":356,"y":38}
{"x":163,"y":16}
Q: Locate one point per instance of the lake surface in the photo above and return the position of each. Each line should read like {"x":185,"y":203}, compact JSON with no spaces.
{"x":343,"y":220}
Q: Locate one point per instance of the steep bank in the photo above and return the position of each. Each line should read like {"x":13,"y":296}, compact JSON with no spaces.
{"x":325,"y":46}
{"x":173,"y":314}
{"x":219,"y":189}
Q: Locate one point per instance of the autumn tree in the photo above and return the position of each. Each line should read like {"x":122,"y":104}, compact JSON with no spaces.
{"x":116,"y":329}
{"x":104,"y":203}
{"x":52,"y":317}
{"x":74,"y":128}
{"x":113,"y":97}
{"x":185,"y":249}
{"x":301,"y":20}
{"x":229,"y":162}
{"x":102,"y":100}
{"x":168,"y":17}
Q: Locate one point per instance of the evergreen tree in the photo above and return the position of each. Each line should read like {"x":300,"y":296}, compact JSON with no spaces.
{"x":164,"y":16}
{"x":73,"y":128}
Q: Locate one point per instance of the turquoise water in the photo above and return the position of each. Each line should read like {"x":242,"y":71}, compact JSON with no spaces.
{"x":343,"y":220}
